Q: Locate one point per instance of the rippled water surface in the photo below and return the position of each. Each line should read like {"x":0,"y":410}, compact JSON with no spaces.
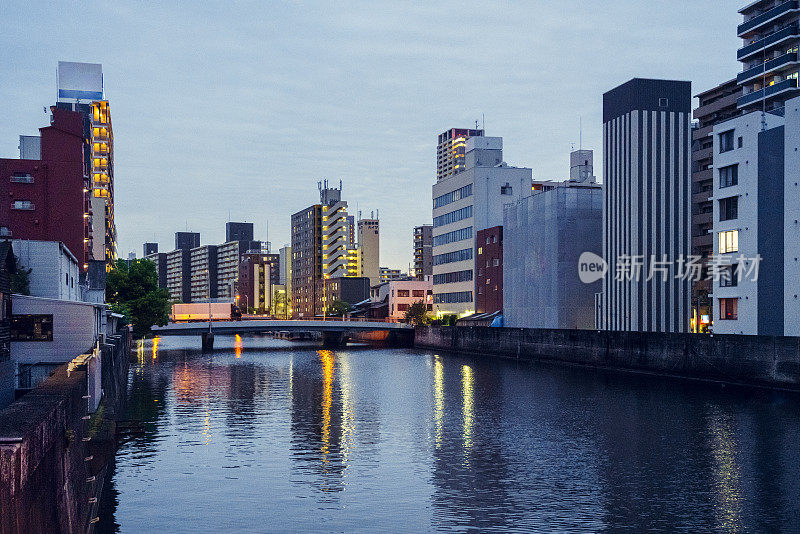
{"x":266,"y":435}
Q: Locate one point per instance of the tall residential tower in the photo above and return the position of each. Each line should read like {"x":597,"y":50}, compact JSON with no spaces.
{"x":770,"y":36}
{"x":646,"y":205}
{"x":80,"y":88}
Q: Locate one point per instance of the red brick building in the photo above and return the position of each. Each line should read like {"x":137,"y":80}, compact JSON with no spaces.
{"x":47,"y":199}
{"x":489,"y":265}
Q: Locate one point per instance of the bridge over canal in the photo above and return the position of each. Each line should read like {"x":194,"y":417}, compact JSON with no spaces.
{"x":334,"y":332}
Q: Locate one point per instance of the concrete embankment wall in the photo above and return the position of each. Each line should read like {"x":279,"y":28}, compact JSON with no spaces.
{"x":51,"y":459}
{"x":754,"y":360}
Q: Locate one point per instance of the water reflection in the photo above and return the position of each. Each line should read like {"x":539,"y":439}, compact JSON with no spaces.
{"x":261,"y":432}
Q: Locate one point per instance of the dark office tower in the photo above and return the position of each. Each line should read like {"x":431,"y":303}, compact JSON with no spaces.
{"x":150,"y":248}
{"x":186,"y":240}
{"x":717,"y":105}
{"x":306,"y":261}
{"x":423,"y":251}
{"x":646,"y":205}
{"x":770,"y":36}
{"x":238,"y":231}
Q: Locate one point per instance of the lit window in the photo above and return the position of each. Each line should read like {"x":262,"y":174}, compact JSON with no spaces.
{"x":729,"y":309}
{"x":729,"y":241}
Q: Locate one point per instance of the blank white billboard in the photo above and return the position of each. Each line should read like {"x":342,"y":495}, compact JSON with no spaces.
{"x":81,"y":81}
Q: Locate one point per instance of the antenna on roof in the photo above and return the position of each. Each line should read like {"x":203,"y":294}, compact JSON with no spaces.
{"x":476,"y":124}
{"x":483,"y":122}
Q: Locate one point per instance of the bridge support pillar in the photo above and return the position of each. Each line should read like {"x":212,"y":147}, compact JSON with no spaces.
{"x":333,"y":340}
{"x":207,"y":341}
{"x":400,"y":338}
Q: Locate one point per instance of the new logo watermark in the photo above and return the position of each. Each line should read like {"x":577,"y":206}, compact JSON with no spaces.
{"x":591,"y":267}
{"x":727,"y":270}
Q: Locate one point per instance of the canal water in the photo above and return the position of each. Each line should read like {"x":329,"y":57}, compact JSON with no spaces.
{"x":267,"y":435}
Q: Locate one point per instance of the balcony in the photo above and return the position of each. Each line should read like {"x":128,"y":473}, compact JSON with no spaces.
{"x":781,"y":35}
{"x":772,"y":90}
{"x":767,"y":68}
{"x":768,"y":16}
{"x":703,"y":153}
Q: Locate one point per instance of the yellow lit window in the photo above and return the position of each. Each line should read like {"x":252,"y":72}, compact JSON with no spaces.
{"x":729,"y":241}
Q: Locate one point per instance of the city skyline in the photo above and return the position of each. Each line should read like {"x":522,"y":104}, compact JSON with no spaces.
{"x":218,"y":109}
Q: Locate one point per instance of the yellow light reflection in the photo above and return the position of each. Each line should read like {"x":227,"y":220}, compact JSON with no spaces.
{"x":438,"y":398}
{"x":155,"y":346}
{"x":348,"y":414}
{"x":729,"y":497}
{"x":327,"y":359}
{"x":140,"y":352}
{"x":468,"y":396}
{"x":237,"y":346}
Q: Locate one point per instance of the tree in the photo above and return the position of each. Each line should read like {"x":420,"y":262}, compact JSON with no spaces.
{"x":20,"y":279}
{"x":338,"y":307}
{"x":417,"y":314}
{"x":279,"y":304}
{"x":133,"y":291}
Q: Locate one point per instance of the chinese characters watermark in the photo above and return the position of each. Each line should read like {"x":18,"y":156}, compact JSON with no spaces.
{"x":726,"y":270}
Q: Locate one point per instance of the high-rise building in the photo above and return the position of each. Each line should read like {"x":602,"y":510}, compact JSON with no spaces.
{"x":258,"y":275}
{"x":179,"y":275}
{"x":203,"y":261}
{"x":716,"y":105}
{"x":238,"y":231}
{"x":369,"y":242}
{"x":423,"y":251}
{"x":47,"y":199}
{"x":229,"y":257}
{"x":80,"y":89}
{"x":335,"y":232}
{"x":463,"y":204}
{"x":755,"y":200}
{"x":646,"y":212}
{"x":770,"y":34}
{"x":323,"y":249}
{"x":149,"y":248}
{"x":160,"y":261}
{"x":187,"y":240}
{"x":306,"y":267}
{"x":451,"y":150}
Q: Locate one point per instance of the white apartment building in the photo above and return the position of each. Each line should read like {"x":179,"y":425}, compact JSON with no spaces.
{"x":464,"y":203}
{"x":756,"y":230}
{"x":54,"y":270}
{"x":368,"y":255}
{"x":401,"y":294}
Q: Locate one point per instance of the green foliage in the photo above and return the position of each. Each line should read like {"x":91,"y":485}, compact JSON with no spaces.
{"x":417,"y":314}
{"x":338,"y":307}
{"x":449,"y":319}
{"x":21,"y":279}
{"x":280,"y":305}
{"x":133,"y":291}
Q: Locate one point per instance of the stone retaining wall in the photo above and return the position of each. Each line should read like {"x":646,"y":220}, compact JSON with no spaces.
{"x":753,"y":360}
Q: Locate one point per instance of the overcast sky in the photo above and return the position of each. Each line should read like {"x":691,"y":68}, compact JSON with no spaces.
{"x":241,"y":107}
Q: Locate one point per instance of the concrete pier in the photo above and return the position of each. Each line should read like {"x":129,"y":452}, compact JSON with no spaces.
{"x":207,"y":340}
